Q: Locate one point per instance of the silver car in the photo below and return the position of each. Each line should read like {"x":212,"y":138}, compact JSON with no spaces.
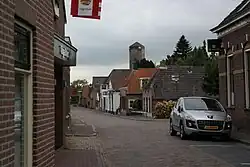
{"x":199,"y":115}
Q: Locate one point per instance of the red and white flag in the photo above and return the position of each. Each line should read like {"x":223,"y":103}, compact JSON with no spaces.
{"x":86,"y":8}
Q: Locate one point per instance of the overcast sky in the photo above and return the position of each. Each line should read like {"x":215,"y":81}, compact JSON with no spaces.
{"x":157,"y":24}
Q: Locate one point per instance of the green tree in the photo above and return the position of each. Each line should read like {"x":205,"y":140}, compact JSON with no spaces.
{"x":144,"y":63}
{"x":183,"y":48}
{"x":79,"y":84}
{"x":211,"y":78}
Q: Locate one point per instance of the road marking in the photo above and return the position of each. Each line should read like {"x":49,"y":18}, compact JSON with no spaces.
{"x":211,"y":145}
{"x":245,"y":164}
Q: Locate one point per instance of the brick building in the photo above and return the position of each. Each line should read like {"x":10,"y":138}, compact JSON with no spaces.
{"x":35,"y":57}
{"x":234,"y":65}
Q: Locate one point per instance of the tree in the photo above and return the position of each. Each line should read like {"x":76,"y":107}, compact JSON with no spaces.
{"x":79,"y":84}
{"x":183,"y":48}
{"x":144,"y":63}
{"x":211,"y":78}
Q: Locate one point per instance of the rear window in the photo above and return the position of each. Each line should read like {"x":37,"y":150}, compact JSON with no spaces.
{"x":202,"y":104}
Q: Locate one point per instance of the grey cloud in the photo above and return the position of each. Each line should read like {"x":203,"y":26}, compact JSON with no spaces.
{"x":156,"y":24}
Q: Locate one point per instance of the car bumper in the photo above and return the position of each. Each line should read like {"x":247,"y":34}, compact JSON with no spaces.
{"x":191,"y":131}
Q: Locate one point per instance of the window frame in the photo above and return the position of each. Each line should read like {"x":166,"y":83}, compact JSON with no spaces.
{"x":28,"y":101}
{"x":230,"y":82}
{"x":143,"y":79}
{"x":56,"y":4}
{"x":247,"y":77}
{"x":131,"y":100}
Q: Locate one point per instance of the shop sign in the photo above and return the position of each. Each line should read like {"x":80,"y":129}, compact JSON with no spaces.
{"x":86,"y":8}
{"x":214,"y":45}
{"x":64,"y":51}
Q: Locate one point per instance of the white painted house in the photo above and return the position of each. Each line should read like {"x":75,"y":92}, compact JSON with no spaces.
{"x":109,"y":90}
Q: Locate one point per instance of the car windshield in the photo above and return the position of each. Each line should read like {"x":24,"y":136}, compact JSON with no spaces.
{"x":202,"y":104}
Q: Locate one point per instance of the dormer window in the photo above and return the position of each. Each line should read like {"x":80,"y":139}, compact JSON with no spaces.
{"x":143,"y":82}
{"x":56,"y":8}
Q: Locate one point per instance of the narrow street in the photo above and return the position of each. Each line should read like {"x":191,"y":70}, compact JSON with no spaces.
{"x":131,"y":143}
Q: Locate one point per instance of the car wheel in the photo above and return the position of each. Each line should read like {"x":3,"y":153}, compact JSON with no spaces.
{"x":171,"y":129}
{"x":226,"y":137}
{"x":183,"y":135}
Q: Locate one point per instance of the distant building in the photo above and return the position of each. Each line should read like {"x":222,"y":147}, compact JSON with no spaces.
{"x":136,"y":53}
{"x":109,"y":90}
{"x":171,"y":83}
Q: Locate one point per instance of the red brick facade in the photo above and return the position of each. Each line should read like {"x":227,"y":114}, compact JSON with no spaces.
{"x":40,"y":18}
{"x":236,"y":40}
{"x":6,"y":83}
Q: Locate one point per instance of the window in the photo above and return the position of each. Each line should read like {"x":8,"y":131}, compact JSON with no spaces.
{"x":202,"y":104}
{"x":19,"y":121}
{"x":23,"y":96}
{"x":130,"y":103}
{"x":56,"y":8}
{"x":103,"y":86}
{"x":144,"y":82}
{"x":230,"y":81}
{"x":247,"y":78}
{"x":22,"y":48}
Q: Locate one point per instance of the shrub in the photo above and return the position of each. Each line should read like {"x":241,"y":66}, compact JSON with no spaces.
{"x":163,"y":109}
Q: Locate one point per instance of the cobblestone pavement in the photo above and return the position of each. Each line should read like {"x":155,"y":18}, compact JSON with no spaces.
{"x":81,"y":148}
{"x":131,"y":143}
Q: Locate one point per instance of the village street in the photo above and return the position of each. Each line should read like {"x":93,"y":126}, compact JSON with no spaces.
{"x":133,"y":143}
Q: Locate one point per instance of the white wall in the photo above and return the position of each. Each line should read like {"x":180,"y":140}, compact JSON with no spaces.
{"x":116,"y":101}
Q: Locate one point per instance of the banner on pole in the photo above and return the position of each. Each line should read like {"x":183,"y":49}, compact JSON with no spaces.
{"x":86,"y":8}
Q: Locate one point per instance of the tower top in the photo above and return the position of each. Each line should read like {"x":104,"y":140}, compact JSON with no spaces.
{"x":136,"y":45}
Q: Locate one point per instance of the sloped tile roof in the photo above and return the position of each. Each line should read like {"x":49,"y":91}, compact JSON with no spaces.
{"x":136,"y":44}
{"x":118,"y":77}
{"x":97,"y":81}
{"x":133,"y":84}
{"x":240,"y":10}
{"x":165,"y":88}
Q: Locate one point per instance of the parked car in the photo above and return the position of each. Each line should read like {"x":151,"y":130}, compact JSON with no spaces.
{"x":199,"y":115}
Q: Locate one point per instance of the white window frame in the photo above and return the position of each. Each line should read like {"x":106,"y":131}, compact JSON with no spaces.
{"x":246,"y":73}
{"x":56,"y":7}
{"x":28,"y":103}
{"x":141,"y":81}
{"x":230,"y":95}
{"x":133,"y":100}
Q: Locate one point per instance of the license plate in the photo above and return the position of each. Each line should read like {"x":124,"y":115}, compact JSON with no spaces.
{"x":211,"y":127}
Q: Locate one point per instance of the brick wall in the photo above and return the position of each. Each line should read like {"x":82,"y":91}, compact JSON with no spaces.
{"x":6,"y":83}
{"x":43,"y":85}
{"x":238,"y":112}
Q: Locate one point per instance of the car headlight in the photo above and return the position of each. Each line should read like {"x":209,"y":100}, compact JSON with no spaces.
{"x":191,"y":124}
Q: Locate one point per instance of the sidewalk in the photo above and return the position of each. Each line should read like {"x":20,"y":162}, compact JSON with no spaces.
{"x":82,"y":147}
{"x":240,"y":136}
